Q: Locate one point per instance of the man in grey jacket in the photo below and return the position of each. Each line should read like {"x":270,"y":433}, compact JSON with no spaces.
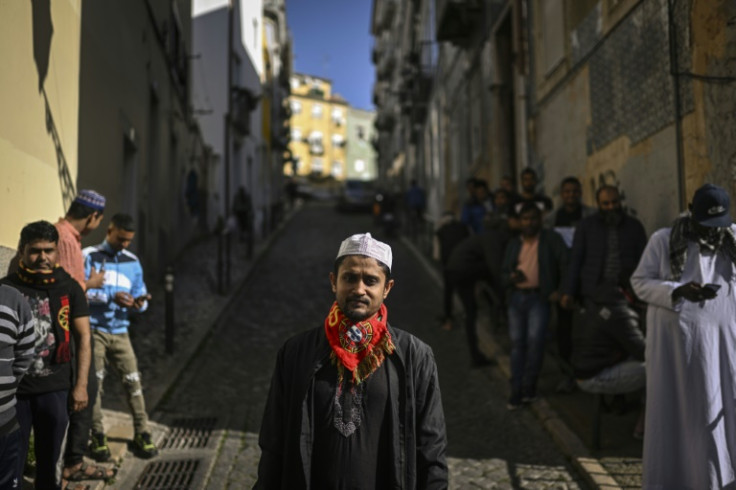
{"x":354,"y":403}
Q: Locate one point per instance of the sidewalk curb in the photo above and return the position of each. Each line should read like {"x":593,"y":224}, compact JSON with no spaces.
{"x":568,"y":442}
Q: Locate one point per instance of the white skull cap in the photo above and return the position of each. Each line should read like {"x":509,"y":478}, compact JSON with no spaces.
{"x":365,"y":244}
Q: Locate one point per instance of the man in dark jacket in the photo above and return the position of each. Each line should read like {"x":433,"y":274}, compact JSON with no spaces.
{"x":475,"y":260}
{"x":449,"y":234}
{"x":533,"y":268}
{"x":354,"y":403}
{"x":605,"y":252}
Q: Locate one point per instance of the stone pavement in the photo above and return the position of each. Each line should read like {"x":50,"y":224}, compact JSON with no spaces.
{"x":198,"y":308}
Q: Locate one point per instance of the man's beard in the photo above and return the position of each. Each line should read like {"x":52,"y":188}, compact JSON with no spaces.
{"x":613,"y":217}
{"x":353,"y":314}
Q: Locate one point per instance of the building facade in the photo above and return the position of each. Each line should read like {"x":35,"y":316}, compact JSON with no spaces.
{"x":138,"y":142}
{"x":277,"y":69}
{"x":360,"y":155}
{"x":626,"y":92}
{"x":40,"y":105}
{"x":99,"y":98}
{"x":230,"y":123}
{"x":318,"y":129}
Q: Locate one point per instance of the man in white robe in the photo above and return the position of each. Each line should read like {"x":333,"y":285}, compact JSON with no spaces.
{"x":688,"y":278}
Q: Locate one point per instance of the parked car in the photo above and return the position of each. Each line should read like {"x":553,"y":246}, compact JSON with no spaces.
{"x":357,"y":195}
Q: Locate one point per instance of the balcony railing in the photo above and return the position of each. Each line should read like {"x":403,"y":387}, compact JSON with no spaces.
{"x":243,"y":103}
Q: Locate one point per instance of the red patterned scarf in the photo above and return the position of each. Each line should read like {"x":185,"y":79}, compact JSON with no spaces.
{"x":358,"y":347}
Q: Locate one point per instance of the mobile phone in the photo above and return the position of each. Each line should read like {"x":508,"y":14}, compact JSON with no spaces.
{"x":712,"y":287}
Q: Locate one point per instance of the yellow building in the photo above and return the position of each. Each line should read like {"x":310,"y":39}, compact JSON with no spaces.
{"x":40,"y":107}
{"x":318,"y":128}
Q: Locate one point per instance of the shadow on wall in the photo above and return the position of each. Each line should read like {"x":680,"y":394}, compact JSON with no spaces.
{"x":43,"y":31}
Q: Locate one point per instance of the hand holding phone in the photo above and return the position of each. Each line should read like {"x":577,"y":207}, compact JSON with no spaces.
{"x":140,"y":300}
{"x":695,"y":292}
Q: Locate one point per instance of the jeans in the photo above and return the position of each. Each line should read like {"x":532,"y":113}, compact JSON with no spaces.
{"x":9,"y":456}
{"x":624,"y":377}
{"x":528,"y":320}
{"x":48,"y":415}
{"x":117,"y":351}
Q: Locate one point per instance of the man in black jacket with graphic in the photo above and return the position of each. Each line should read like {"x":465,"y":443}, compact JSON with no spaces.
{"x":354,"y":403}
{"x":47,"y":392}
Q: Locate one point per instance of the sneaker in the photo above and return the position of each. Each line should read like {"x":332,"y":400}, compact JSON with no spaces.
{"x":98,"y":448}
{"x":144,"y":446}
{"x":514,"y":403}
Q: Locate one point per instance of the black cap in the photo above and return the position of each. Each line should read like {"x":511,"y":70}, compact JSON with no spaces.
{"x":711,"y":206}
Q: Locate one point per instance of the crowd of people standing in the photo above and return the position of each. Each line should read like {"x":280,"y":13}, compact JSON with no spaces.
{"x":649,"y":316}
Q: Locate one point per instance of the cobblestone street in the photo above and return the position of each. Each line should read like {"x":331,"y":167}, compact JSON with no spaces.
{"x":287,"y":292}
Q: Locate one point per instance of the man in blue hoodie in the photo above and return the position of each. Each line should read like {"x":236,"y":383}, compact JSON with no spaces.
{"x":122,"y":292}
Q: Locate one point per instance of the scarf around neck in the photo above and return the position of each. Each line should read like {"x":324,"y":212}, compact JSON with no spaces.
{"x":42,"y":279}
{"x":712,"y":239}
{"x":360,"y":347}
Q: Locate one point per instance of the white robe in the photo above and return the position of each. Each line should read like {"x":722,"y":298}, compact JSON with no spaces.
{"x":690,"y":431}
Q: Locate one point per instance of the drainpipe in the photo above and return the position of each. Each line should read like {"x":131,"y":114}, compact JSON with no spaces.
{"x":678,"y":106}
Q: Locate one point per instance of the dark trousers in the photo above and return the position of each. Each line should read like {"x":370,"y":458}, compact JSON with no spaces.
{"x":48,"y":415}
{"x":466,"y":292}
{"x":9,"y":456}
{"x":80,"y":422}
{"x":564,"y":333}
{"x":448,"y":291}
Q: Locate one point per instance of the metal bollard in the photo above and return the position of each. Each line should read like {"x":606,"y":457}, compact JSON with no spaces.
{"x":169,"y":290}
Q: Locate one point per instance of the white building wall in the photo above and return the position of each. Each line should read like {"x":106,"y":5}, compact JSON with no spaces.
{"x":209,"y":98}
{"x":252,"y":32}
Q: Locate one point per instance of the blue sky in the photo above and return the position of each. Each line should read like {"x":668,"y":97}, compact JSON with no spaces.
{"x":332,"y":40}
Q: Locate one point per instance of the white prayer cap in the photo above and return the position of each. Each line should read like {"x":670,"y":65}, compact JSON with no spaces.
{"x":365,"y":244}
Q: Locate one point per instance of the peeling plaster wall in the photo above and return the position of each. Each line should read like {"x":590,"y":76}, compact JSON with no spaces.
{"x":611,"y":120}
{"x":710,"y":153}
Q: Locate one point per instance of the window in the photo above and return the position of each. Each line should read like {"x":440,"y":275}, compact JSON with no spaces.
{"x":338,"y":140}
{"x":317,"y":165}
{"x":360,"y":132}
{"x":315,"y":143}
{"x":317,"y":111}
{"x":337,"y":116}
{"x":359,"y":166}
{"x":315,"y":137}
{"x":296,"y":134}
{"x":336,"y":169}
{"x":296,"y":107}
